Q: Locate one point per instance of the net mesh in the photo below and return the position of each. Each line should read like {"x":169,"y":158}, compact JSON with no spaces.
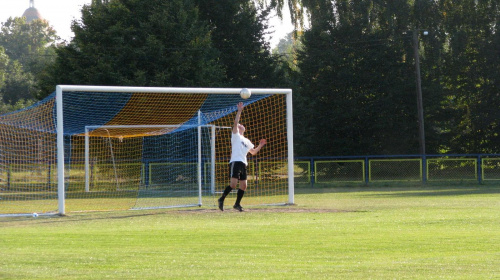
{"x":143,"y":151}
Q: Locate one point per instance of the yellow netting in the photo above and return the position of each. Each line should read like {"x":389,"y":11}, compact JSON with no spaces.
{"x":268,"y":179}
{"x":28,"y":170}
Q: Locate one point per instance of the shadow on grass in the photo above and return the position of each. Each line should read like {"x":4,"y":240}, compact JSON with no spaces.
{"x":87,"y":216}
{"x":371,"y":190}
{"x":440,"y":192}
{"x":404,"y":189}
{"x":116,"y":215}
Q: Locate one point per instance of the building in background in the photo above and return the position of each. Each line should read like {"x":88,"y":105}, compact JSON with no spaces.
{"x":32,"y":13}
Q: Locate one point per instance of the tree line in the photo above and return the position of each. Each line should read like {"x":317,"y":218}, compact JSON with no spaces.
{"x":352,"y":70}
{"x":357,"y":70}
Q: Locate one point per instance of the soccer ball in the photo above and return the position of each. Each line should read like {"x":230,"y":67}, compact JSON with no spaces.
{"x":245,"y":93}
{"x":35,"y":215}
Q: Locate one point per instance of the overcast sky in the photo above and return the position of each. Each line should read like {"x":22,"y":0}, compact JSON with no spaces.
{"x":60,"y":13}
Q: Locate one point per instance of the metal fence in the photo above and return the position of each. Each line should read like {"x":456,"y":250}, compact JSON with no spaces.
{"x":448,"y":168}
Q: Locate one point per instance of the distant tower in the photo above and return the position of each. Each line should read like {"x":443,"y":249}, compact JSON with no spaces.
{"x":32,"y":13}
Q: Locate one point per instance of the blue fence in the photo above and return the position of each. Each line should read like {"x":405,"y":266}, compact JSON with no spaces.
{"x":476,"y":168}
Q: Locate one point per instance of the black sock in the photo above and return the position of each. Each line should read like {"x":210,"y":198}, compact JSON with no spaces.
{"x":239,"y":196}
{"x":226,"y":192}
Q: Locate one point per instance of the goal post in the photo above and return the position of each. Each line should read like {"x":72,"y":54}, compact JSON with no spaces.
{"x":109,"y":147}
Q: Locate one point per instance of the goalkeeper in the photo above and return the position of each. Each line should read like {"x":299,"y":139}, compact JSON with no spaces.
{"x":240,"y":146}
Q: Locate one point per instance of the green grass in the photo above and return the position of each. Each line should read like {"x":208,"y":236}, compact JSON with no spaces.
{"x":332,"y":233}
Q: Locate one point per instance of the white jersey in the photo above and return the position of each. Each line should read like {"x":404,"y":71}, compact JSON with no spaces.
{"x":240,"y":147}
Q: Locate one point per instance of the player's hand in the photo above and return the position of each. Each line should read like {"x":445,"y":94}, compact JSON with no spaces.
{"x":263,"y":142}
{"x":240,"y":106}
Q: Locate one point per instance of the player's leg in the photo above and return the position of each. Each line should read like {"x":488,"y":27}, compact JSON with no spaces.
{"x":242,"y":188}
{"x":239,"y":195}
{"x":233,"y":173}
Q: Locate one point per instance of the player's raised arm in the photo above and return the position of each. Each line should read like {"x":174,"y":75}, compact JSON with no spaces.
{"x":237,"y":118}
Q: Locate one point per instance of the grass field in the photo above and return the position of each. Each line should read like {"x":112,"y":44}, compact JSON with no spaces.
{"x":332,"y":233}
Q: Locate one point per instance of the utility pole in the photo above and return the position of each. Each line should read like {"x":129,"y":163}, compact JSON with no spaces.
{"x":420,"y":105}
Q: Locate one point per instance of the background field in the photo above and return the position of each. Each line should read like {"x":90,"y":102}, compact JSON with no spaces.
{"x":413,"y":232}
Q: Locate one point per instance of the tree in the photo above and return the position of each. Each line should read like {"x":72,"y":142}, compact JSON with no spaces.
{"x":472,"y":80}
{"x":4,"y":61}
{"x":297,"y":9}
{"x":288,"y":48}
{"x":28,"y":43}
{"x":20,"y":104}
{"x":141,"y":43}
{"x":357,"y":73}
{"x":29,"y":47}
{"x":238,"y":30}
{"x":19,"y":84}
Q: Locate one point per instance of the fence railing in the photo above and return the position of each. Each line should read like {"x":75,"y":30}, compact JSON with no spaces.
{"x":478,"y":168}
{"x":309,"y":171}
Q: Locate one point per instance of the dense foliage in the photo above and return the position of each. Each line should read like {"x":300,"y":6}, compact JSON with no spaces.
{"x":25,"y":49}
{"x":138,"y":43}
{"x":357,"y":74}
{"x":238,"y":31}
{"x":167,"y":43}
{"x":352,"y":70}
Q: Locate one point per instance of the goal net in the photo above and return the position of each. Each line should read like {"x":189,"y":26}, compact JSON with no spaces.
{"x":93,"y":148}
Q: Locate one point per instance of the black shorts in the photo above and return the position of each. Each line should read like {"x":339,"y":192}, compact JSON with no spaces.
{"x":238,"y":170}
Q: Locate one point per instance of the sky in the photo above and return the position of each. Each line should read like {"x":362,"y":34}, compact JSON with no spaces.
{"x":60,"y":13}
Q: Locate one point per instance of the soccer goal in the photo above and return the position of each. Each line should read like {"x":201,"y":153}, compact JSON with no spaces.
{"x":99,"y":148}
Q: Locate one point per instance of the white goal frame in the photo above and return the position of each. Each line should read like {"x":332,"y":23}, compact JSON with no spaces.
{"x":60,"y":89}
{"x":199,"y":153}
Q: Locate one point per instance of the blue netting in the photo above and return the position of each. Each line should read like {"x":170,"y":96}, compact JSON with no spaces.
{"x":29,"y":118}
{"x":41,"y":102}
{"x":98,"y":108}
{"x":162,"y":146}
{"x":83,"y":109}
